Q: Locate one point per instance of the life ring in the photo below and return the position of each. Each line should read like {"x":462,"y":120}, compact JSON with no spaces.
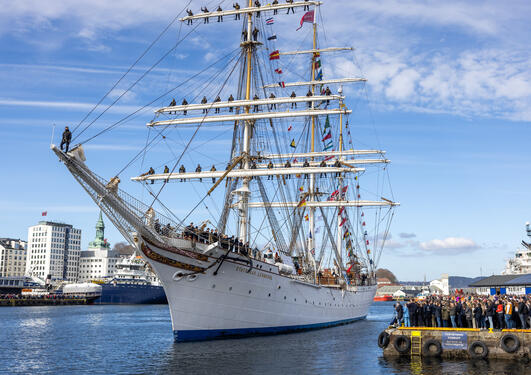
{"x":472,"y":350}
{"x":383,"y":340}
{"x":402,"y":344}
{"x":510,"y":343}
{"x":432,"y":348}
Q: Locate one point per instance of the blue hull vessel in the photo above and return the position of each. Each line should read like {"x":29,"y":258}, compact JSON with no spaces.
{"x":130,"y":294}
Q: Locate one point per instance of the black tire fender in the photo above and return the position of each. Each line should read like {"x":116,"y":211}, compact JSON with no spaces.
{"x":383,"y":340}
{"x":427,"y":348}
{"x":474,"y":354}
{"x":402,"y":344}
{"x":506,"y":340}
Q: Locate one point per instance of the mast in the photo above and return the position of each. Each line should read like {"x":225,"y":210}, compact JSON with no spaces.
{"x":339,"y":240}
{"x":311,"y":216}
{"x":245,"y":192}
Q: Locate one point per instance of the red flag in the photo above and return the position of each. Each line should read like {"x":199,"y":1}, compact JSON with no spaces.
{"x":344,"y":190}
{"x":343,"y":222}
{"x":44,"y":213}
{"x":290,"y":127}
{"x":275,"y":55}
{"x":362,"y":214}
{"x":367,"y":242}
{"x":341,"y":211}
{"x":328,"y":158}
{"x":328,"y":136}
{"x":363,"y":224}
{"x":279,"y":71}
{"x":308,"y":17}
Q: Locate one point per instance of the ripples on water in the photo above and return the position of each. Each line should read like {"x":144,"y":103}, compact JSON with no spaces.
{"x":138,"y":340}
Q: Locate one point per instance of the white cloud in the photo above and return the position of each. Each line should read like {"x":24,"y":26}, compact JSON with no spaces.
{"x":407,"y":235}
{"x":449,"y":243}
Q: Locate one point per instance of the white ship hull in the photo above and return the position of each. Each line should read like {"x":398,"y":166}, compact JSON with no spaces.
{"x":235,"y":302}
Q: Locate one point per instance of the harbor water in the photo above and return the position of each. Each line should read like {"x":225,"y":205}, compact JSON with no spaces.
{"x":109,"y":339}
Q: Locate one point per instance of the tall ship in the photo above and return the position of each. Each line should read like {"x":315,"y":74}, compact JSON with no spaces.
{"x":303,"y":214}
{"x":521,"y":263}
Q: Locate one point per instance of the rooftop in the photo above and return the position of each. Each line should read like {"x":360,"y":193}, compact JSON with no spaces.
{"x":495,"y":280}
{"x":55,"y":224}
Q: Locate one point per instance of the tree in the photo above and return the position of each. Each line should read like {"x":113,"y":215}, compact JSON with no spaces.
{"x":123,"y":248}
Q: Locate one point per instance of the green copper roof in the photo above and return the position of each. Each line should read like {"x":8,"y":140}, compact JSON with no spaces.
{"x":99,"y":242}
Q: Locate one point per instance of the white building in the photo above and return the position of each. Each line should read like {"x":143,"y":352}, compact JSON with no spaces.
{"x":99,"y":260}
{"x":53,"y":250}
{"x":12,"y":257}
{"x":440,"y":286}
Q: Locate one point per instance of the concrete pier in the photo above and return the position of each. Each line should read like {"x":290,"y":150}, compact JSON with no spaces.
{"x":45,"y":301}
{"x":456,"y":343}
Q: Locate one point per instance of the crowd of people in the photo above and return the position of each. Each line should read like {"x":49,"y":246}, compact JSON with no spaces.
{"x":465,"y":311}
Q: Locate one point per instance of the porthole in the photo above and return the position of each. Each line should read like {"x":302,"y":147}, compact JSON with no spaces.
{"x":178,"y":276}
{"x":269,"y":295}
{"x":306,"y":301}
{"x":213,"y":286}
{"x":279,"y":287}
{"x":192,"y":277}
{"x":250,"y":291}
{"x":295,"y":299}
{"x":230,"y":287}
{"x":284,"y":297}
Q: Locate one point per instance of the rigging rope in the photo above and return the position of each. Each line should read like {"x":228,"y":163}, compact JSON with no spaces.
{"x":133,"y":85}
{"x":132,"y":66}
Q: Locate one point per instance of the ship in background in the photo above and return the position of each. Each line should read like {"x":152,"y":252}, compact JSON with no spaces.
{"x":114,"y":277}
{"x":521,"y":263}
{"x":304,"y":214}
{"x":132,"y":283}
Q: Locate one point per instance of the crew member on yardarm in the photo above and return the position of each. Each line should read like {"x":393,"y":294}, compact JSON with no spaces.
{"x":67,"y":137}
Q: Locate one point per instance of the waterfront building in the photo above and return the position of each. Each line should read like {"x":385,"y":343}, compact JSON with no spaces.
{"x":12,"y":257}
{"x":98,"y":261}
{"x":518,"y":284}
{"x":53,"y":250}
{"x":440,"y":286}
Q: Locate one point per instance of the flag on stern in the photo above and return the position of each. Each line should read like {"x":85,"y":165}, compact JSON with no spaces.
{"x":308,"y":17}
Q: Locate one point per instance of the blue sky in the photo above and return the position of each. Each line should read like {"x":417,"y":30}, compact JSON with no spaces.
{"x":448,"y":97}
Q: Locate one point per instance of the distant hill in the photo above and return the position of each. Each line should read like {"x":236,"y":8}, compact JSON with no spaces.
{"x":458,"y":282}
{"x":385,"y":273}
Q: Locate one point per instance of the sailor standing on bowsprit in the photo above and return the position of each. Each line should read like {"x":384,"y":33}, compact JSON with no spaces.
{"x":67,"y":137}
